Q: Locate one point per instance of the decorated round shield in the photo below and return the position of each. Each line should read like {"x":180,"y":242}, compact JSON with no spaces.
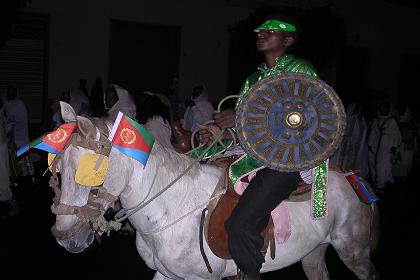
{"x":290,"y":122}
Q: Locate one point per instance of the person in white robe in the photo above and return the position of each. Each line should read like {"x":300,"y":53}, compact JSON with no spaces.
{"x":80,"y":102}
{"x":154,"y":114}
{"x":17,"y":132}
{"x":6,"y":194}
{"x":408,"y":147}
{"x":165,"y":100}
{"x":5,"y":191}
{"x":384,"y":140}
{"x":352,"y":153}
{"x":17,"y":117}
{"x":118,"y":99}
{"x":199,"y":109}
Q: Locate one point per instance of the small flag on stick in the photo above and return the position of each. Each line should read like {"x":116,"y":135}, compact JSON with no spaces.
{"x":53,"y":142}
{"x":360,"y":189}
{"x":131,"y":138}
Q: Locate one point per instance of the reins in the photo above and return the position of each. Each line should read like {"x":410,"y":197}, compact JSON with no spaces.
{"x":93,"y":211}
{"x":126,"y":213}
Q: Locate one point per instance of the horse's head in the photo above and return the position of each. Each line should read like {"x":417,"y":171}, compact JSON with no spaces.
{"x":80,"y":200}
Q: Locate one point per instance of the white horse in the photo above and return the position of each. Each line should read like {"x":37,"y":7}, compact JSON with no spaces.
{"x":167,"y":229}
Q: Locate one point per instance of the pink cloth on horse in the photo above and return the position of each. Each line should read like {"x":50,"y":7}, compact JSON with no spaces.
{"x":280,"y":214}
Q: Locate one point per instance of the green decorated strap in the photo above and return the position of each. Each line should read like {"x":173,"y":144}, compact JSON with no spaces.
{"x":273,"y":24}
{"x":242,"y":167}
{"x":215,"y":149}
{"x":319,"y":191}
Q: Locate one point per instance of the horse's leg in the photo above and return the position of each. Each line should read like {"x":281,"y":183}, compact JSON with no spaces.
{"x":314,"y":264}
{"x":354,"y":250}
{"x":357,"y":259}
{"x":160,"y":276}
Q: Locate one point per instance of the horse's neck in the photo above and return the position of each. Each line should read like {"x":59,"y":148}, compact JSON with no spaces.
{"x":163,"y":167}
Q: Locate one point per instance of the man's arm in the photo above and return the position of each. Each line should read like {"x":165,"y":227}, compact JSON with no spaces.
{"x":223,"y":120}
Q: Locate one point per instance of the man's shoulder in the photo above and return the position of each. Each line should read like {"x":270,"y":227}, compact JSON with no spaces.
{"x":300,"y":65}
{"x":301,"y":61}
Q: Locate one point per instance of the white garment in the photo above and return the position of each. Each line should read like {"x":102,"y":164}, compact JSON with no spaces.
{"x":384,"y":134}
{"x":5,"y":191}
{"x":353,"y":152}
{"x":79,"y":102}
{"x":161,"y":130}
{"x":198,"y":114}
{"x":17,"y":121}
{"x":408,"y":147}
{"x":165,"y":100}
{"x":125,"y":104}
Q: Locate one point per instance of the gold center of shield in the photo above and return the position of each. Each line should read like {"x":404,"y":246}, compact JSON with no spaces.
{"x":294,"y":119}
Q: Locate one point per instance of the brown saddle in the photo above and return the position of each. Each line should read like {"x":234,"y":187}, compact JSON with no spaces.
{"x":217,"y":235}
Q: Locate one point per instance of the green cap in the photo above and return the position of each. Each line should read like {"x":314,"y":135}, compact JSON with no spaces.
{"x":273,"y":24}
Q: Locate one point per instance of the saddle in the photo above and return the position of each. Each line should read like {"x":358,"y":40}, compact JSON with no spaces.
{"x":220,"y":210}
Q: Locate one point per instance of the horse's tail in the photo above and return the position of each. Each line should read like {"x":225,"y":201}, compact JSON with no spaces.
{"x":375,"y":227}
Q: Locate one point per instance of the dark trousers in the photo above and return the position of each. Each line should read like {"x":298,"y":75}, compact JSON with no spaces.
{"x":264,"y":193}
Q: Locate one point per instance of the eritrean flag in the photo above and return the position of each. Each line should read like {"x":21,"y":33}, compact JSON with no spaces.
{"x":52,"y":142}
{"x":131,"y":138}
{"x":360,"y":189}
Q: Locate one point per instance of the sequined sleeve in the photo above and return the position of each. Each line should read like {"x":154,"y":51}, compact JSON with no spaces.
{"x":302,"y":66}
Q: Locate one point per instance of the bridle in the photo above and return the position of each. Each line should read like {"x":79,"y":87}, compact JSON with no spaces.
{"x":92,"y":212}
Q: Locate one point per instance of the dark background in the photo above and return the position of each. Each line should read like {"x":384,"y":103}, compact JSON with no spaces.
{"x":27,"y":247}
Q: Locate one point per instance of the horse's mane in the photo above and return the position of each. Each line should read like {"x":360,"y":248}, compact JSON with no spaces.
{"x":169,"y":159}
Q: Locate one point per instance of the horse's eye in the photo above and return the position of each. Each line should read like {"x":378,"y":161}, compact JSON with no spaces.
{"x":94,"y":191}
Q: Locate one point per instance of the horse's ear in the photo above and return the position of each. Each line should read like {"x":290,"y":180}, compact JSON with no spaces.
{"x":67,"y":112}
{"x":86,"y":127}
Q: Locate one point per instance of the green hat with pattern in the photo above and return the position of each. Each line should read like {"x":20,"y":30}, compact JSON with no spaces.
{"x":273,"y":24}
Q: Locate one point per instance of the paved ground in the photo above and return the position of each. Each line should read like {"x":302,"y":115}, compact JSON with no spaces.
{"x":27,"y":246}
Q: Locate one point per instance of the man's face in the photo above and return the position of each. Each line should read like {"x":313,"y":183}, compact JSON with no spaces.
{"x":272,"y":40}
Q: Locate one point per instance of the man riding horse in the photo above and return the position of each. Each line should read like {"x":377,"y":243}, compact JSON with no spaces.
{"x":269,"y":187}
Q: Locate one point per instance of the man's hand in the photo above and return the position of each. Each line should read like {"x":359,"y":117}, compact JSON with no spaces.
{"x":225,"y":119}
{"x":208,"y":133}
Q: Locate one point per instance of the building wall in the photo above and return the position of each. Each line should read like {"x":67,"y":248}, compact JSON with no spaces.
{"x":388,"y":30}
{"x":79,"y":38}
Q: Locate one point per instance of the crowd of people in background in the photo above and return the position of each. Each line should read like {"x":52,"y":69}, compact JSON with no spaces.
{"x":380,"y":149}
{"x":156,"y":111}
